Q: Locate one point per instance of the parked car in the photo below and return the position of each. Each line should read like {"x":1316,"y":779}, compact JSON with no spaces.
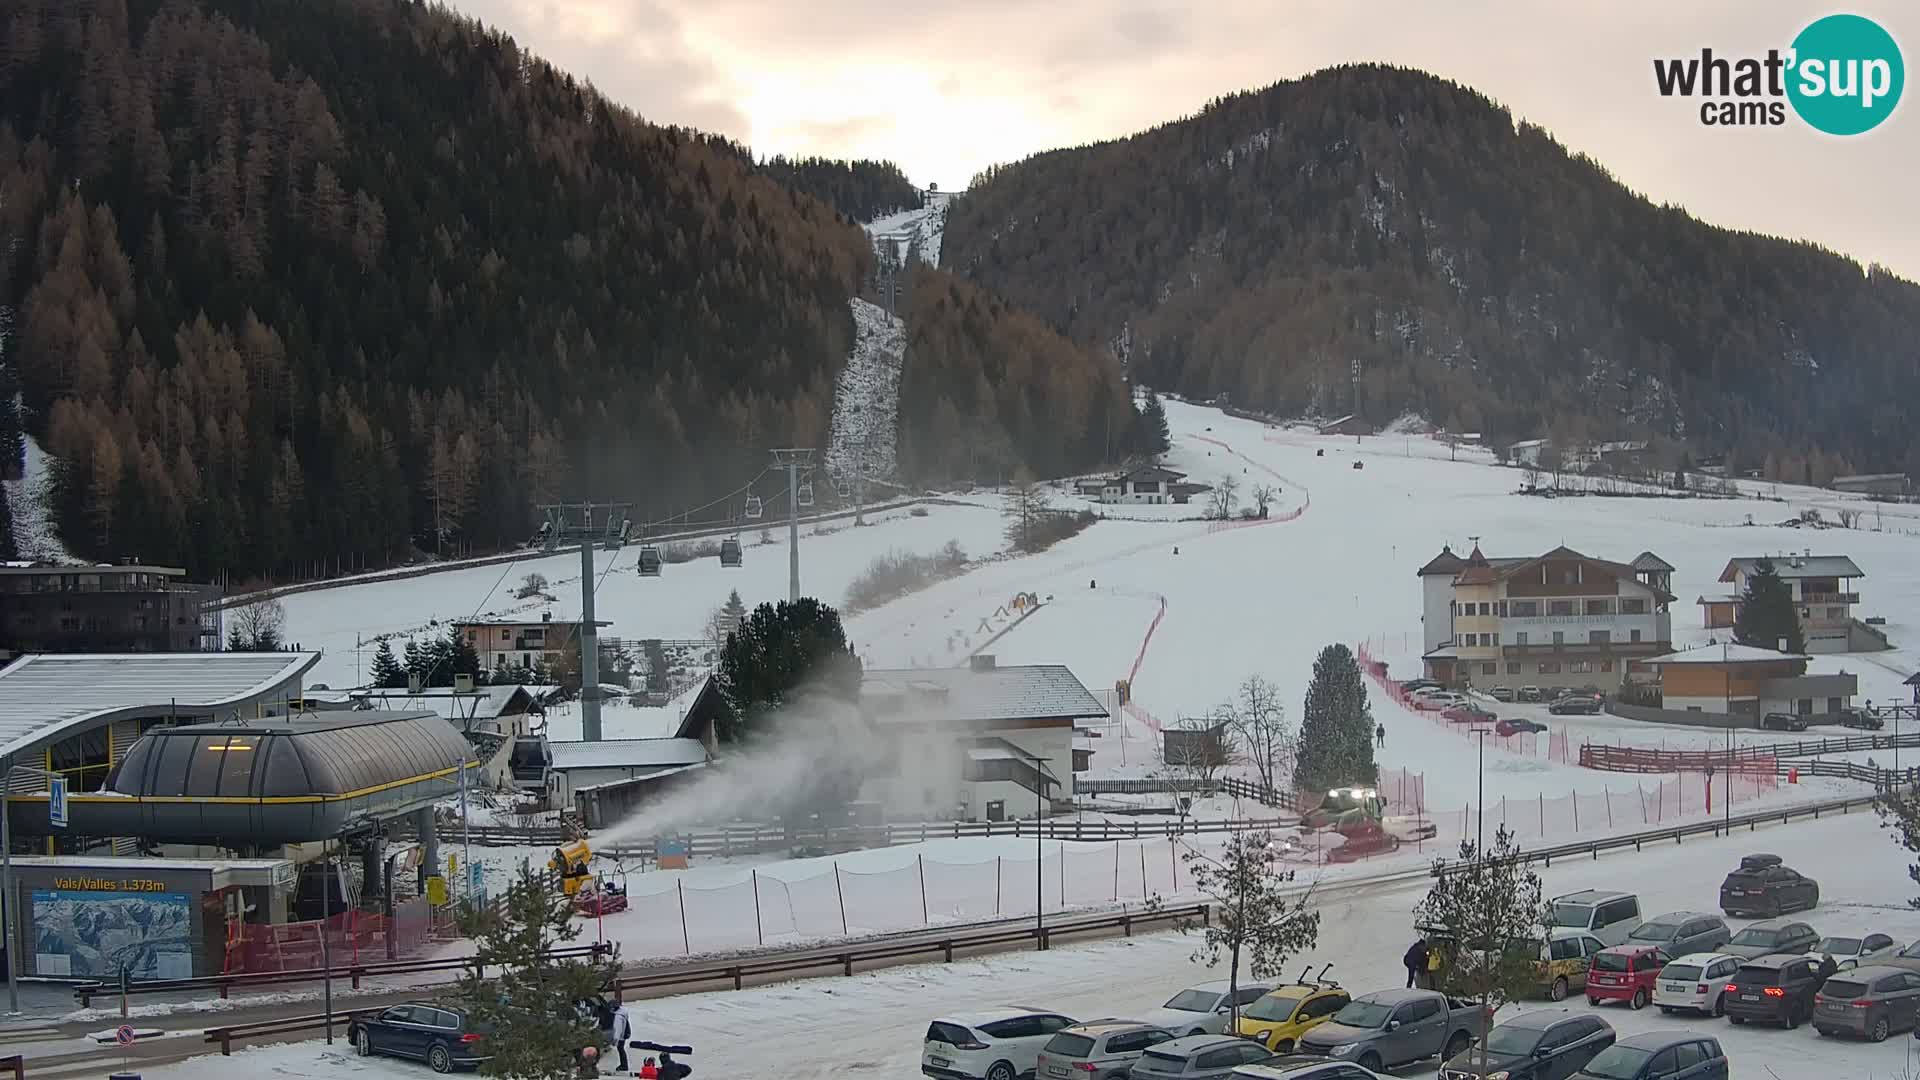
{"x":1659,"y":1055}
{"x":992,"y":1044}
{"x":1564,"y":959}
{"x":1102,"y":1050}
{"x":1427,"y":691}
{"x":1682,"y":932}
{"x":1783,"y":721}
{"x":1545,"y":1044}
{"x":1412,"y":685}
{"x":1851,"y":952}
{"x":1771,"y":937}
{"x":1300,"y":1067}
{"x":1517,"y":725}
{"x":1438,"y":702}
{"x":1609,"y":916}
{"x":1870,"y":1001}
{"x":1278,"y":1020}
{"x":1695,"y":983}
{"x":1197,"y":1057}
{"x":1625,"y":973}
{"x":1203,"y":1009}
{"x":1575,"y":704}
{"x":445,"y":1038}
{"x":1855,"y":716}
{"x":1389,"y":1028}
{"x":1763,"y":886}
{"x":1527,"y":693}
{"x":1501,"y":693}
{"x":1467,"y":714}
{"x":1773,"y":990}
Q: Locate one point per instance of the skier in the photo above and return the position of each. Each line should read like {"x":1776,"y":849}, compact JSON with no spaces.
{"x":1380,"y":734}
{"x":1415,"y":961}
{"x":622,"y":1031}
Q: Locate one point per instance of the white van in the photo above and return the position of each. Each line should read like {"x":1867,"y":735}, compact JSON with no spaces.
{"x":1609,"y":916}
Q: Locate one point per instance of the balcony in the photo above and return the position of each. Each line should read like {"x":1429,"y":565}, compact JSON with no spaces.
{"x":1588,"y":648}
{"x":1830,"y":598}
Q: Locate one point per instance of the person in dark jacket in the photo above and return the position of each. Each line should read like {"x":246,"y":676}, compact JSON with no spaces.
{"x":1416,"y":962}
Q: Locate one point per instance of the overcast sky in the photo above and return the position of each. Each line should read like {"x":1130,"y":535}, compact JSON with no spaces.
{"x":945,"y":89}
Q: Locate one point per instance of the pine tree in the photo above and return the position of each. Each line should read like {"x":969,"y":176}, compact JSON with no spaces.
{"x":416,"y":661}
{"x":1767,"y":614}
{"x":387,"y":672}
{"x":733,"y":612}
{"x":778,"y":649}
{"x":531,"y":1009}
{"x":1336,"y":726}
{"x":462,"y":659}
{"x":1156,"y":437}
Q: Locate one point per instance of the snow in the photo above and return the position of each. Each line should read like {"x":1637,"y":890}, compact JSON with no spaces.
{"x":29,"y":500}
{"x":872,"y":1024}
{"x":925,"y":227}
{"x":866,"y":401}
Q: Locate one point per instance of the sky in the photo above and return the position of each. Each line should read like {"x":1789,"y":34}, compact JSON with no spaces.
{"x":946,"y":89}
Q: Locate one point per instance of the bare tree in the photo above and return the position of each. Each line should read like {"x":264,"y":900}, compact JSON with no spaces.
{"x":1225,"y":496}
{"x":531,"y":586}
{"x":1256,"y":911}
{"x":1849,"y":519}
{"x":257,"y":626}
{"x":1190,"y":767}
{"x":1263,"y":497}
{"x":1261,"y":734}
{"x":1025,"y":514}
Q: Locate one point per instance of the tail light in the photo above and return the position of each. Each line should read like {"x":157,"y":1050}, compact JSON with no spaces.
{"x":1702,"y":988}
{"x":1732,"y":989}
{"x":470,"y":1037}
{"x":1084,"y":1066}
{"x":970,"y":1046}
{"x":1774,"y":991}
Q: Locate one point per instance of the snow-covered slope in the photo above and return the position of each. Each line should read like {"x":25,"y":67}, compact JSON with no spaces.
{"x":28,"y":499}
{"x":866,"y":401}
{"x":913,"y":231}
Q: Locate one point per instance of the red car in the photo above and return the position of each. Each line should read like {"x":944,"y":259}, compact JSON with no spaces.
{"x":1467,"y":714}
{"x":1517,"y":725}
{"x":1624,"y":973}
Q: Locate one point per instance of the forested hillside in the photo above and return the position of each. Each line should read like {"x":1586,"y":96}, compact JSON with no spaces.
{"x":299,"y":284}
{"x":1382,"y":222}
{"x":862,"y":190}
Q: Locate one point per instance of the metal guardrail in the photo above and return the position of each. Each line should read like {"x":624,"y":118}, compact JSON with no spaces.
{"x":1155,"y":785}
{"x":852,"y":837}
{"x":1677,"y":833}
{"x":225,"y":1036}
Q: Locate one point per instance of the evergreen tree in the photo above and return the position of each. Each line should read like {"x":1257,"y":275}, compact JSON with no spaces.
{"x":1336,"y":726}
{"x":387,"y":672}
{"x":1156,"y":437}
{"x":416,"y":661}
{"x":462,"y":659}
{"x":733,"y":612}
{"x":776,"y":651}
{"x":1767,"y":614}
{"x":531,"y":1009}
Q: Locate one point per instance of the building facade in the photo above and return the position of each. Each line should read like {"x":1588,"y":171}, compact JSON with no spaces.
{"x":1558,"y":619}
{"x":1147,"y":484}
{"x":1888,"y":484}
{"x":106,"y":608}
{"x":528,"y":643}
{"x":1824,"y":596}
{"x":1740,"y":680}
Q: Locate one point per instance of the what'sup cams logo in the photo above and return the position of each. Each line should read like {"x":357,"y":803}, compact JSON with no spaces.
{"x":1842,"y":75}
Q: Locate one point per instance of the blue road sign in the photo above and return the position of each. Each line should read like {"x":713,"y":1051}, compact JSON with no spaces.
{"x":57,"y":802}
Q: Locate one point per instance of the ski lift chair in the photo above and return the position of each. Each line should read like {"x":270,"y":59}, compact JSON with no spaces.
{"x":650,"y":561}
{"x":753,"y":506}
{"x":805,"y":495}
{"x":730,"y":551}
{"x":843,"y":487}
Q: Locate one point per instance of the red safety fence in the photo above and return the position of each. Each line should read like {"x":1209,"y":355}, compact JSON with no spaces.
{"x":1554,"y":746}
{"x":1670,"y":801}
{"x":1644,"y":759}
{"x":351,"y":937}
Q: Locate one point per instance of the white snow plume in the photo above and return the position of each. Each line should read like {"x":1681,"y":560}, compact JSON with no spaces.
{"x":824,"y":753}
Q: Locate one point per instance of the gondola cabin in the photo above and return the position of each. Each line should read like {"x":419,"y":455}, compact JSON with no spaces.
{"x":650,"y":561}
{"x":730,"y":554}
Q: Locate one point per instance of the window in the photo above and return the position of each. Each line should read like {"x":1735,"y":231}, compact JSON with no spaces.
{"x":1599,"y":637}
{"x":1559,"y":607}
{"x":473,"y":636}
{"x":1599,"y":607}
{"x":1050,"y":1024}
{"x":1124,"y":1044}
{"x":1804,"y":706}
{"x":1665,"y":1063}
{"x":1580,"y":667}
{"x":1633,"y":635}
{"x":1525,"y":609}
{"x":1833,"y":705}
{"x":506,"y":634}
{"x":1520,"y":638}
{"x":1019,"y":1027}
{"x":236,"y":766}
{"x":1496,"y":640}
{"x":1687,"y":1055}
{"x":1418,"y":1011}
{"x":1559,"y":637}
{"x":1486,"y":608}
{"x":1489,"y":669}
{"x":1500,"y":608}
{"x":1618,"y":911}
{"x":1550,"y":667}
{"x":1513,"y":669}
{"x":1564,"y":949}
{"x":1325,"y":1006}
{"x":1225,"y":1058}
{"x":1592,"y":945}
{"x":1630,"y":605}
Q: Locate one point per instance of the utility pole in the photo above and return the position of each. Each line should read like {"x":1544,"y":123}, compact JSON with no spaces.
{"x":793,"y":460}
{"x":574,"y":524}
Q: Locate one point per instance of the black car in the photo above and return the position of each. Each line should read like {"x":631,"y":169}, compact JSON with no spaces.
{"x":1546,"y":1044}
{"x":1854,"y":716}
{"x":1764,"y":886}
{"x":1773,"y":990}
{"x":1783,"y":721}
{"x":445,"y":1038}
{"x":1660,"y":1055}
{"x":1575,"y":704}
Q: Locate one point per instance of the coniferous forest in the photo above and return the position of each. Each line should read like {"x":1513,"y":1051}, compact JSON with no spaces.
{"x":1376,"y":240}
{"x":295,"y":286}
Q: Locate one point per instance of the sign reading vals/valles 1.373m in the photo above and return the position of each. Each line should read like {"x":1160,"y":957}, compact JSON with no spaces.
{"x":89,"y":884}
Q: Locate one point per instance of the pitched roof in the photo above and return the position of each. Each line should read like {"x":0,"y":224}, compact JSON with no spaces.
{"x":1647,"y":560}
{"x":1795,"y":566}
{"x":1723,"y":654}
{"x":44,"y":696}
{"x":1023,"y":692}
{"x":485,"y":703}
{"x":1148,"y":472}
{"x":1444,"y":563}
{"x":627,"y":753}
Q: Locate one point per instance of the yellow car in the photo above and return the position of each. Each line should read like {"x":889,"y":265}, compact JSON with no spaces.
{"x":1278,"y":1020}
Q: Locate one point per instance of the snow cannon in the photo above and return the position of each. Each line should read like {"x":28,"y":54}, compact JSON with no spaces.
{"x":570,"y":862}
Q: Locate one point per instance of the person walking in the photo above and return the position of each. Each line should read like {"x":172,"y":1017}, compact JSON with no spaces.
{"x":622,"y":1031}
{"x":1415,"y":961}
{"x":1380,"y":735}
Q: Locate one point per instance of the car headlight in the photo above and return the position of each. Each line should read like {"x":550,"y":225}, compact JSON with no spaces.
{"x":1495,"y":1076}
{"x":1344,"y":1049}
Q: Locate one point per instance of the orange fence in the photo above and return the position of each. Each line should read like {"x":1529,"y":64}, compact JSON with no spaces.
{"x":1644,"y":759}
{"x":1551,"y":746}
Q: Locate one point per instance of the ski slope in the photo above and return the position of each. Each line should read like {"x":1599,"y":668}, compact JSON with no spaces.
{"x":913,"y":230}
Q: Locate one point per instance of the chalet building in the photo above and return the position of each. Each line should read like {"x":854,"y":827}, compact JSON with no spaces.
{"x":1145,"y":484}
{"x":501,"y":642}
{"x":1824,"y":596}
{"x":1346,"y":425}
{"x":1891,"y":485}
{"x":106,"y":608}
{"x":1741,"y":680}
{"x":1561,"y":618}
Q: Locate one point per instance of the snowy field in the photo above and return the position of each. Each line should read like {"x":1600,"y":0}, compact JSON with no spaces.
{"x":871,"y":1025}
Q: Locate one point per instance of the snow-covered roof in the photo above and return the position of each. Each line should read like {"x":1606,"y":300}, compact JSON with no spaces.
{"x":1724,"y":654}
{"x":1647,"y":560}
{"x":485,"y":703}
{"x":44,"y":697}
{"x":1444,"y":652}
{"x":1023,"y":692}
{"x":627,"y":753}
{"x":1795,"y":566}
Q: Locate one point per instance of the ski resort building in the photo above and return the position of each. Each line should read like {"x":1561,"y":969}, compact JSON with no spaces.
{"x":1743,"y":681}
{"x":1824,"y":596}
{"x":1146,"y":484}
{"x":1557,"y":619}
{"x":527,"y":643}
{"x":107,"y":608}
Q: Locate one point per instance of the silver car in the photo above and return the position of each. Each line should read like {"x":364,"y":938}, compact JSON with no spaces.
{"x":1198,"y":1057}
{"x":1097,"y":1050}
{"x":1203,"y":1009}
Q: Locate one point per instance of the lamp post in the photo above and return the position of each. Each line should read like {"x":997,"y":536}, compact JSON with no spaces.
{"x":1040,"y":856}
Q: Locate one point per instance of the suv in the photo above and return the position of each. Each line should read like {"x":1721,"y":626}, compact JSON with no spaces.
{"x":1527,"y":693}
{"x":1854,"y":716}
{"x":1783,"y":721}
{"x":1763,"y":886}
{"x":992,"y":1044}
{"x":1625,"y":973}
{"x":1391,"y":1028}
{"x":1682,"y":932}
{"x":1869,"y":1001}
{"x":1609,"y":916}
{"x":1545,"y":1044}
{"x":1771,"y":937}
{"x":1501,"y":693}
{"x":1695,"y":983}
{"x":1103,"y":1050}
{"x":1773,"y":989}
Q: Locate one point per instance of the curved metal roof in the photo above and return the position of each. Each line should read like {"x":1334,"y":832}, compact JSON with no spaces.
{"x":336,"y":754}
{"x":44,"y":698}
